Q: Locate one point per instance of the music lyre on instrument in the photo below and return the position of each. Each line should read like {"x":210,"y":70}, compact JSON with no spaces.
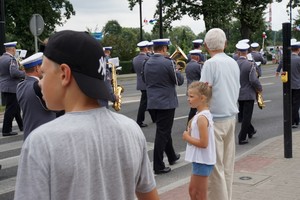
{"x":179,"y":57}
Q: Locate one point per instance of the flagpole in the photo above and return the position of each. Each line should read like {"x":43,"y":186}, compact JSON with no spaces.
{"x":141,"y":23}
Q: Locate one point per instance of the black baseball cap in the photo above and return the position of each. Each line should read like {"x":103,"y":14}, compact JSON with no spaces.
{"x":85,"y":56}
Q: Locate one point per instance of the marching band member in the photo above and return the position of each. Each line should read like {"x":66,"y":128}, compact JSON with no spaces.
{"x":10,"y":76}
{"x":197,"y":45}
{"x":35,"y":112}
{"x":250,"y":85}
{"x":161,"y":78}
{"x":137,"y":63}
{"x":193,"y":73}
{"x":257,"y":57}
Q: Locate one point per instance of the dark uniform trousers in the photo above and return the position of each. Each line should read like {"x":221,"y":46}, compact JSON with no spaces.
{"x":163,"y":139}
{"x":246,"y":126}
{"x":12,"y":110}
{"x":295,"y":106}
{"x":142,"y":108}
{"x":192,"y":113}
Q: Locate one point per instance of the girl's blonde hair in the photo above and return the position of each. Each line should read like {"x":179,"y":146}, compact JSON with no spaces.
{"x":202,"y":88}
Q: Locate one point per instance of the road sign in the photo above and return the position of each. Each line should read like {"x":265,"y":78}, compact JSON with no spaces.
{"x":97,"y":35}
{"x":36,"y":24}
{"x":36,"y":27}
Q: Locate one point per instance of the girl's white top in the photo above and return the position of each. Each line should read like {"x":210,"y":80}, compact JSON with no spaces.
{"x":202,"y":155}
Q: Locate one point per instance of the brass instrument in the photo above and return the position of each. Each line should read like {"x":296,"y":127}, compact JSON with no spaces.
{"x":117,"y":89}
{"x":179,"y":57}
{"x":260,"y":100}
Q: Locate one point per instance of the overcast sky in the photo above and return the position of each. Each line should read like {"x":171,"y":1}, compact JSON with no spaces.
{"x":95,"y":14}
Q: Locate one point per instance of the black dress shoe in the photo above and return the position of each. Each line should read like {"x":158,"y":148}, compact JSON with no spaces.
{"x":250,"y":135}
{"x":9,"y":134}
{"x":142,"y":125}
{"x":174,"y":161}
{"x":241,"y":142}
{"x":294,"y":126}
{"x":163,"y":171}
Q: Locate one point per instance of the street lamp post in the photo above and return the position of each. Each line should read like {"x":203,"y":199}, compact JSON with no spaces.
{"x":141,"y":22}
{"x":2,"y":26}
{"x":160,"y":20}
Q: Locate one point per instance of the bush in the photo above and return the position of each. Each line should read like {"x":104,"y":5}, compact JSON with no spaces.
{"x":126,"y":67}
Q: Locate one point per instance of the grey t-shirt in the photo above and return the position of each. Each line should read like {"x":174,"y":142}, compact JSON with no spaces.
{"x":95,"y":154}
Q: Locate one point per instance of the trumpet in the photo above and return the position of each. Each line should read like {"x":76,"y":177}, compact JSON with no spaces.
{"x":179,"y":57}
{"x":117,"y":89}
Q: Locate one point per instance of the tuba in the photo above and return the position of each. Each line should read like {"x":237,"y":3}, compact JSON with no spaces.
{"x":117,"y":89}
{"x":179,"y":57}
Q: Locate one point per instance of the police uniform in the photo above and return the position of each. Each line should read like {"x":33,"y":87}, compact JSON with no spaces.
{"x":138,"y":63}
{"x":257,"y":57}
{"x":197,"y":45}
{"x":10,"y":76}
{"x":32,"y":105}
{"x":249,"y":86}
{"x":161,"y":78}
{"x":295,"y":83}
{"x":193,"y":73}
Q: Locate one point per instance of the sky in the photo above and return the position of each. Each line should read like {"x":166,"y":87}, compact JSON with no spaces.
{"x":96,"y":13}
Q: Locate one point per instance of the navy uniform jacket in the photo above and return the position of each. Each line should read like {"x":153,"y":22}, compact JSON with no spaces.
{"x":138,"y":62}
{"x":193,"y":71}
{"x":295,"y":70}
{"x":257,"y":57}
{"x":10,"y":75}
{"x":248,"y":79}
{"x":34,"y":111}
{"x":161,"y":80}
{"x":201,"y":55}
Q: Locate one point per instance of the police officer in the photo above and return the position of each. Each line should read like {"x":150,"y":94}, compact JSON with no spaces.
{"x":150,"y":48}
{"x":257,"y":57}
{"x":138,"y":62}
{"x":197,"y":45}
{"x":250,"y":85}
{"x":295,"y":81}
{"x":193,"y":73}
{"x":161,"y":78}
{"x":10,"y":76}
{"x":235,"y":56}
{"x":35,"y":112}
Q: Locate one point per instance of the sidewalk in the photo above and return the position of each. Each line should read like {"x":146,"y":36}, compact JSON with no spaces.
{"x":261,"y":174}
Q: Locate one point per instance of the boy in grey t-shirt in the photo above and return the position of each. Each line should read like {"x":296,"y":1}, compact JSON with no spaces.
{"x":90,"y":152}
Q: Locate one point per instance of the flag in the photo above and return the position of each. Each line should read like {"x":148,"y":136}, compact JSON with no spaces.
{"x":297,"y":28}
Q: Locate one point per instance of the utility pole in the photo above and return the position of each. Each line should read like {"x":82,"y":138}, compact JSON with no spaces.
{"x":160,"y":20}
{"x":287,"y":93}
{"x":141,"y":22}
{"x":2,"y":27}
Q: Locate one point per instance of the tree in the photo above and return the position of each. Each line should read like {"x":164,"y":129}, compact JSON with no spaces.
{"x":216,"y":13}
{"x":112,"y":27}
{"x":250,"y":14}
{"x":123,"y":40}
{"x":183,"y":37}
{"x":19,"y":12}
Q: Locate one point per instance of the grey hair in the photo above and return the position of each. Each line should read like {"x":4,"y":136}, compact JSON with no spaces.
{"x":215,"y":39}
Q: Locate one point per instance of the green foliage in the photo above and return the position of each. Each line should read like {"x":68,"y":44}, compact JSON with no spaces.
{"x":123,"y":40}
{"x":126,"y":67}
{"x":18,"y":14}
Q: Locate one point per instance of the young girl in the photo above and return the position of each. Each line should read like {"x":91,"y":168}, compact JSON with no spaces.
{"x":200,"y":149}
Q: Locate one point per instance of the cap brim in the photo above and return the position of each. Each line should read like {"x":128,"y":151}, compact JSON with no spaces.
{"x":92,"y":87}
